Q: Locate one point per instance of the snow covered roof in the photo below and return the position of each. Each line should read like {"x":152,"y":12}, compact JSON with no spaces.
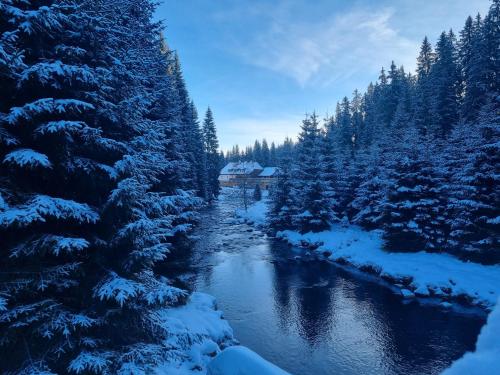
{"x":269,"y":172}
{"x":245,"y":167}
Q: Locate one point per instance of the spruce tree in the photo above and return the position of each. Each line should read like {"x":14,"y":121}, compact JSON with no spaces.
{"x":367,"y":205}
{"x":266,"y":154}
{"x":311,"y":211}
{"x":422,"y":116}
{"x":444,"y":81}
{"x":329,"y":173}
{"x":473,"y":203}
{"x":273,"y":159}
{"x":80,"y":240}
{"x":211,"y":144}
{"x":282,"y":206}
{"x":413,"y":216}
{"x":57,"y":158}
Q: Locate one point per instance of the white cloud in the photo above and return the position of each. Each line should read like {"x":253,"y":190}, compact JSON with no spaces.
{"x":324,"y":51}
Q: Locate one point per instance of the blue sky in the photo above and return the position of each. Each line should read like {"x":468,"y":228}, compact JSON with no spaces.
{"x":261,"y":65}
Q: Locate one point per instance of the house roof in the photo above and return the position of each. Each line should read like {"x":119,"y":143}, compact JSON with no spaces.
{"x":245,"y":167}
{"x":269,"y":171}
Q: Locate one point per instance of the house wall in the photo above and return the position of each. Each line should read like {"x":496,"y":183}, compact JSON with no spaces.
{"x":264,"y":182}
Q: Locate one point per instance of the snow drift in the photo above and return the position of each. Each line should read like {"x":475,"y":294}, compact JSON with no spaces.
{"x":239,"y":360}
{"x":486,"y":358}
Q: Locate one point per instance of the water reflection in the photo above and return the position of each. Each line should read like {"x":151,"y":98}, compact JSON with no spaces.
{"x":314,"y":317}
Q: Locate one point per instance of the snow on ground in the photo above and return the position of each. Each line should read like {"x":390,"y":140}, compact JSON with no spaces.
{"x":197,"y":332}
{"x":486,"y":358}
{"x":419,"y":273}
{"x":239,"y":360}
{"x":256,"y":212}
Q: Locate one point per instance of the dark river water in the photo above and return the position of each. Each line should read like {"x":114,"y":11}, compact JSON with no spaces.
{"x":314,"y":317}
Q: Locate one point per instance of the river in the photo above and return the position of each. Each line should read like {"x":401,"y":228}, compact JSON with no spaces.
{"x":314,"y":317}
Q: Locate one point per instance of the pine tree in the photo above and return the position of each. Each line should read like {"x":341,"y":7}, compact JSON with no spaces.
{"x":357,"y":118}
{"x":80,"y":240}
{"x":211,"y":149}
{"x":54,"y":147}
{"x":473,"y":208}
{"x":311,"y":212}
{"x":422,"y":116}
{"x":187,"y":129}
{"x":329,"y":173}
{"x":413,"y":212}
{"x":257,"y":152}
{"x":273,"y":159}
{"x":370,"y":125}
{"x":368,"y":203}
{"x":444,"y":81}
{"x":345,"y":124}
{"x":200,"y":157}
{"x":266,"y":154}
{"x":281,"y":212}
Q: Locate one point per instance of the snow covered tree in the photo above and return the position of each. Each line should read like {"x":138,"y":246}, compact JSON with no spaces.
{"x":266,"y":154}
{"x":345,"y":125}
{"x":90,"y":198}
{"x":280,"y":214}
{"x":330,"y":174}
{"x":273,"y":159}
{"x":413,"y":217}
{"x":58,"y":156}
{"x":444,"y":82}
{"x":422,"y":115}
{"x":474,"y":61}
{"x":257,"y":152}
{"x":357,"y":118}
{"x":200,"y":156}
{"x":211,"y":144}
{"x":312,"y":212}
{"x":369,"y":197}
{"x":473,"y":208}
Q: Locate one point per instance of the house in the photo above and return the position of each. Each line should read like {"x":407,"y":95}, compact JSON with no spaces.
{"x":233,"y":174}
{"x":268,"y":177}
{"x":250,"y":173}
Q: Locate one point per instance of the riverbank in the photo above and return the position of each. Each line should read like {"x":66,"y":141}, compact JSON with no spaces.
{"x":416,"y":274}
{"x":486,"y":358}
{"x":197,"y":332}
{"x":202,"y":342}
{"x":419,"y":274}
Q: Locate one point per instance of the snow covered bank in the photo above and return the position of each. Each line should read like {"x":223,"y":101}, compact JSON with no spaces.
{"x":421,"y":273}
{"x":239,"y":360}
{"x":197,"y":332}
{"x":197,"y":335}
{"x":486,"y":358}
{"x":255,"y":214}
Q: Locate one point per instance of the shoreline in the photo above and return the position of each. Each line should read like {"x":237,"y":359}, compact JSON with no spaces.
{"x":417,"y":274}
{"x":439,"y":276}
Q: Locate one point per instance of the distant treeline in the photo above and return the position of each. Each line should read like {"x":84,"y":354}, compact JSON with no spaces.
{"x":261,"y":152}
